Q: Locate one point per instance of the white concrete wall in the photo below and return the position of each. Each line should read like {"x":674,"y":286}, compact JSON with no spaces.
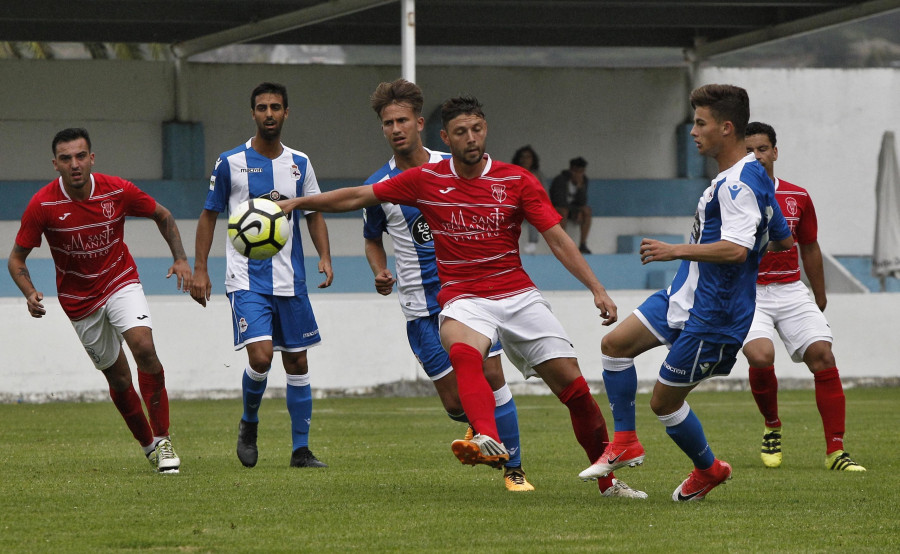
{"x":563,"y":113}
{"x":364,"y":345}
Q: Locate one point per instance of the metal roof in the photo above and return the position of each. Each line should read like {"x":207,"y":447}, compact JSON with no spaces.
{"x":706,"y":27}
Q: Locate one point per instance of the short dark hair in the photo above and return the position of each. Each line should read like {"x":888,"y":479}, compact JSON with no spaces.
{"x":269,"y":88}
{"x":70,"y":134}
{"x":726,"y":102}
{"x":578,"y":162}
{"x":399,"y":91}
{"x":757,"y":128}
{"x":460,"y":105}
{"x":517,"y":157}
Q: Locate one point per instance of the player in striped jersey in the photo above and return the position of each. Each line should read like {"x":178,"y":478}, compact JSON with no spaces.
{"x":269,"y":301}
{"x":399,"y":108}
{"x":474,"y":206}
{"x":783,"y":304}
{"x":82,"y":214}
{"x":704,"y":315}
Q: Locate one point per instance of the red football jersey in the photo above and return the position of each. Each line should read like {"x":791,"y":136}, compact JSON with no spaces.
{"x":475,"y":222}
{"x":798,"y":210}
{"x":86,"y":239}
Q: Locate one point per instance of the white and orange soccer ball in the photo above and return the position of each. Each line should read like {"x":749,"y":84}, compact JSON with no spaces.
{"x":258,"y":228}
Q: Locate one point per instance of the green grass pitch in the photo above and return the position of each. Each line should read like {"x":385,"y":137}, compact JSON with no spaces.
{"x":73,"y":480}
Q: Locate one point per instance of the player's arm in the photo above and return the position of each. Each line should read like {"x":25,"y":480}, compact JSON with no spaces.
{"x":778,"y":245}
{"x":18,"y":270}
{"x":377,"y":258}
{"x":719,"y":252}
{"x":318,"y":232}
{"x":340,"y":200}
{"x":567,"y":253}
{"x":811,"y":255}
{"x":201,"y":288}
{"x":169,"y":231}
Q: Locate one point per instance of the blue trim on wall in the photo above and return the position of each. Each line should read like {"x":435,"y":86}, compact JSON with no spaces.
{"x":352,"y":274}
{"x":607,"y":197}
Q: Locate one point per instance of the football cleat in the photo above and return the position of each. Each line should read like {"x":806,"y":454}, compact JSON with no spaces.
{"x":163,"y":457}
{"x":303,"y":457}
{"x":841,"y":461}
{"x":621,"y":490}
{"x":771,"y":447}
{"x":614,"y":457}
{"x":515,"y":480}
{"x":700,"y":482}
{"x":481,"y":449}
{"x":246,"y":443}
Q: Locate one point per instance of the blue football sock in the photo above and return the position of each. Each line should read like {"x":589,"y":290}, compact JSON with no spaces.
{"x":253,"y":390}
{"x":621,"y":389}
{"x":508,"y":427}
{"x":299,"y":406}
{"x":689,"y":436}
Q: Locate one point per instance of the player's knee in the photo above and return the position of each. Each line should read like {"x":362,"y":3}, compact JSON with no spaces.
{"x":819,"y":356}
{"x":611,"y":346}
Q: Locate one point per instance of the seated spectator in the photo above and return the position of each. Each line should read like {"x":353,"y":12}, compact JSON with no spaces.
{"x":526,"y":157}
{"x":568,"y":193}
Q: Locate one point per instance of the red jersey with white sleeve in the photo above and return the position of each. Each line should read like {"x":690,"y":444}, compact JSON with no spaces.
{"x":86,"y":239}
{"x":798,"y":210}
{"x":476,"y":223}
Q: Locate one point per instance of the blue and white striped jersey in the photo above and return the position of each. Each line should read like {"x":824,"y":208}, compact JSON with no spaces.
{"x":717,"y":301}
{"x":416,"y":272}
{"x":241,"y":174}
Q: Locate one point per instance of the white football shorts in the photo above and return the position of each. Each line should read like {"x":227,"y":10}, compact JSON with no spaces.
{"x":524,"y":324}
{"x":789,"y":309}
{"x":101,"y":331}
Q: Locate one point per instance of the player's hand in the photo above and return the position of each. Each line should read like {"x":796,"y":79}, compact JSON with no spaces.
{"x":656,"y":251}
{"x":384,"y":282}
{"x":608,"y":309}
{"x":35,"y":308}
{"x":325,"y":267}
{"x":182,"y":271}
{"x":201,"y":287}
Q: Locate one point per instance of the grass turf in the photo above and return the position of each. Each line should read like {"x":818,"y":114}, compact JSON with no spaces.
{"x":73,"y":480}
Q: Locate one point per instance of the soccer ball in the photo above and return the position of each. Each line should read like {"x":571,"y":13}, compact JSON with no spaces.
{"x":258,"y":228}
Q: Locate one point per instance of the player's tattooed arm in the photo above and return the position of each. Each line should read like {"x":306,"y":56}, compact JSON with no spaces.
{"x":169,"y":231}
{"x":20,"y":275}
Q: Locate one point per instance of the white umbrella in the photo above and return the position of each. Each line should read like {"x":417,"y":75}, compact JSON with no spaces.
{"x":886,"y":255}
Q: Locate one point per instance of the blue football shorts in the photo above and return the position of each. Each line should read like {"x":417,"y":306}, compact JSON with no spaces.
{"x":425,"y":341}
{"x":287,"y":321}
{"x":691,"y":358}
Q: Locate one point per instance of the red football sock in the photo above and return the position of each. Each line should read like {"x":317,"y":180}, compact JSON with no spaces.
{"x":764,"y":386}
{"x":129,"y":405}
{"x":475,"y":393}
{"x":153,"y":391}
{"x":587,"y":420}
{"x":588,"y":423}
{"x":832,"y":407}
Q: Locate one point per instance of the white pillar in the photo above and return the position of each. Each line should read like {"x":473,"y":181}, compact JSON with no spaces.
{"x":408,"y":39}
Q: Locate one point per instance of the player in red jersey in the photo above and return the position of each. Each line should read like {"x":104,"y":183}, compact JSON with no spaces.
{"x":783,"y":304}
{"x":82,"y":214}
{"x":475,"y":206}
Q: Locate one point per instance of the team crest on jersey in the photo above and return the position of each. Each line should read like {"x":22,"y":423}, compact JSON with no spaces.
{"x":498,"y":192}
{"x":791,"y":204}
{"x":421,"y":232}
{"x":109,"y":208}
{"x":272,"y":195}
{"x":295,"y":171}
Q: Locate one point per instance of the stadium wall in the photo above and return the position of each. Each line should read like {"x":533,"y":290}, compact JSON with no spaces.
{"x":364,"y":347}
{"x":623,"y":121}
